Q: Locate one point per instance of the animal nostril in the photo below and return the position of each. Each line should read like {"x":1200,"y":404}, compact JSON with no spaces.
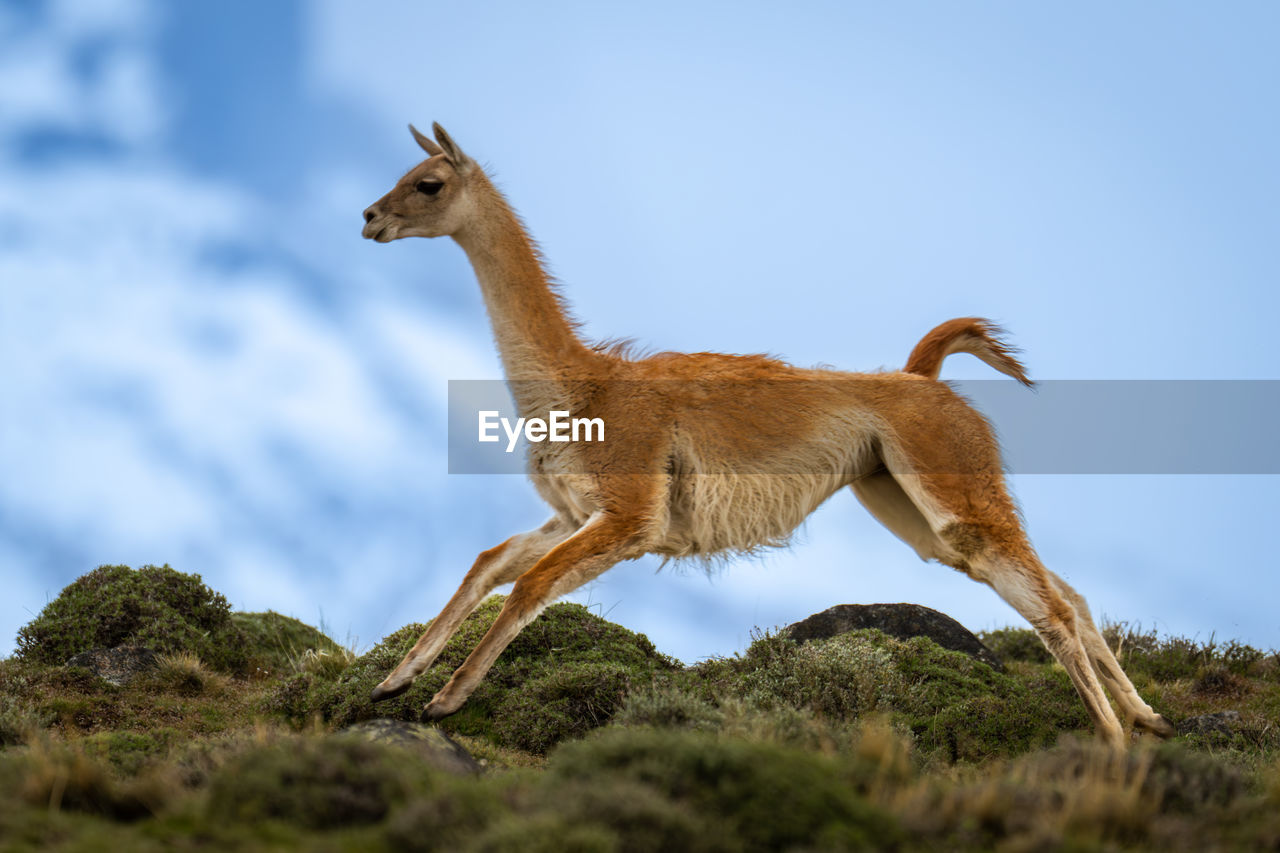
{"x":369,"y":214}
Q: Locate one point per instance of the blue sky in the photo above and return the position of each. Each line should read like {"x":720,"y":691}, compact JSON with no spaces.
{"x":205,"y":365}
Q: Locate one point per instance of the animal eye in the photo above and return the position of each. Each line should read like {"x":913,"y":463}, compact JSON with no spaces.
{"x":429,"y":187}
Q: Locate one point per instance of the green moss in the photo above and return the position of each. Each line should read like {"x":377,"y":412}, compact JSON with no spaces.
{"x":155,"y":606}
{"x":565,"y":673}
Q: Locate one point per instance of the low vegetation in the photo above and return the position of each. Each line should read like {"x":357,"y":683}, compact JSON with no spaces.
{"x":594,"y":740}
{"x":154,"y":606}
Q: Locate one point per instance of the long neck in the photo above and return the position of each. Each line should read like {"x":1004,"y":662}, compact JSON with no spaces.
{"x":535,"y":338}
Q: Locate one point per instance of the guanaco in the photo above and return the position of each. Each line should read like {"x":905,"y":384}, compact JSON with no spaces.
{"x":698,"y":462}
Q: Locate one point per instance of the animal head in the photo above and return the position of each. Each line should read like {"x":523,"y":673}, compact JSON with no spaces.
{"x":432,"y":200}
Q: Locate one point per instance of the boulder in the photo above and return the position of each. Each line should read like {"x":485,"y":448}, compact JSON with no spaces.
{"x":902,"y":621}
{"x":1221,"y":723}
{"x":116,"y":666}
{"x":434,"y":746}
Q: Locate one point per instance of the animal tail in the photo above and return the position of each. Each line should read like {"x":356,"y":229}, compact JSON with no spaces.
{"x":973,"y":335}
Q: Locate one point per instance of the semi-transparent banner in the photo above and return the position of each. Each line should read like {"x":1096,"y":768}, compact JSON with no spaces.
{"x":1059,"y":427}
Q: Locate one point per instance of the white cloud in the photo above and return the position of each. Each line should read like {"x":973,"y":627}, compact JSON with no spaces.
{"x":36,"y":84}
{"x":99,"y":18}
{"x":159,"y":406}
{"x":41,"y":87}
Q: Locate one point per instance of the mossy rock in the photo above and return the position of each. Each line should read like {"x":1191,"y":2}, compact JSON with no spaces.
{"x":425,"y":742}
{"x":276,"y":643}
{"x":565,"y":673}
{"x":156,"y":607}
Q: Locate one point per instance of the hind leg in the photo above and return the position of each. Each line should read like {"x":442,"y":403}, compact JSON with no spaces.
{"x":1109,"y":670}
{"x":1012,"y":569}
{"x":976,"y":530}
{"x":993,"y":549}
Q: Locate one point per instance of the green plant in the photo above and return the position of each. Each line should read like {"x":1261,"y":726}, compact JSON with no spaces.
{"x":565,"y":673}
{"x":282,"y":645}
{"x":184,"y":673}
{"x":1016,"y":644}
{"x":665,"y":703}
{"x":314,"y":782}
{"x":958,"y":708}
{"x":155,"y":606}
{"x":756,"y":796}
{"x":20,"y":719}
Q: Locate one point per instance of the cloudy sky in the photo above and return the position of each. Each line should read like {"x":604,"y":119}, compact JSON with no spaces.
{"x":205,"y":365}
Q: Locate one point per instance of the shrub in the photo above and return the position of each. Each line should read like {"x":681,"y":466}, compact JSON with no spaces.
{"x":314,"y":782}
{"x":19,"y":719}
{"x":157,"y":607}
{"x":732,"y":793}
{"x":56,"y":777}
{"x":957,"y":707}
{"x":184,"y":673}
{"x":637,"y":815}
{"x":282,"y":645}
{"x":667,"y":704}
{"x":449,"y":816}
{"x":840,"y":678}
{"x":566,"y":702}
{"x":564,"y":674}
{"x":1010,"y":644}
{"x":128,"y":752}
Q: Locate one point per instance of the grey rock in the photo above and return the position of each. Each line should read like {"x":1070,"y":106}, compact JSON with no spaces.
{"x":902,"y":621}
{"x":116,"y":666}
{"x":1222,"y":722}
{"x":428,"y":742}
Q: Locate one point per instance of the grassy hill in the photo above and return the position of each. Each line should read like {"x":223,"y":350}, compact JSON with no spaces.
{"x":592,"y":739}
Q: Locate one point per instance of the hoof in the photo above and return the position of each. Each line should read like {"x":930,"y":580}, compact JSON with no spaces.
{"x":1157,"y":725}
{"x":380,"y":692}
{"x":434,"y":712}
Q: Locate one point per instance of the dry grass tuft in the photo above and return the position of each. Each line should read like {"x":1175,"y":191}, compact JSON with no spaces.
{"x":889,"y":750}
{"x":184,"y":673}
{"x":59,"y":777}
{"x":326,"y":664}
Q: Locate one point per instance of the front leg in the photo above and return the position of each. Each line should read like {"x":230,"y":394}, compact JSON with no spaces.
{"x":603,"y":541}
{"x":492,"y":568}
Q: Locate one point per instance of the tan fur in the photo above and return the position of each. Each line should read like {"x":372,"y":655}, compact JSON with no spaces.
{"x":710,"y":455}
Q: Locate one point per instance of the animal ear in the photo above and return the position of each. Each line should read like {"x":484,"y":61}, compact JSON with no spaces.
{"x":460,"y":160}
{"x":428,"y":144}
